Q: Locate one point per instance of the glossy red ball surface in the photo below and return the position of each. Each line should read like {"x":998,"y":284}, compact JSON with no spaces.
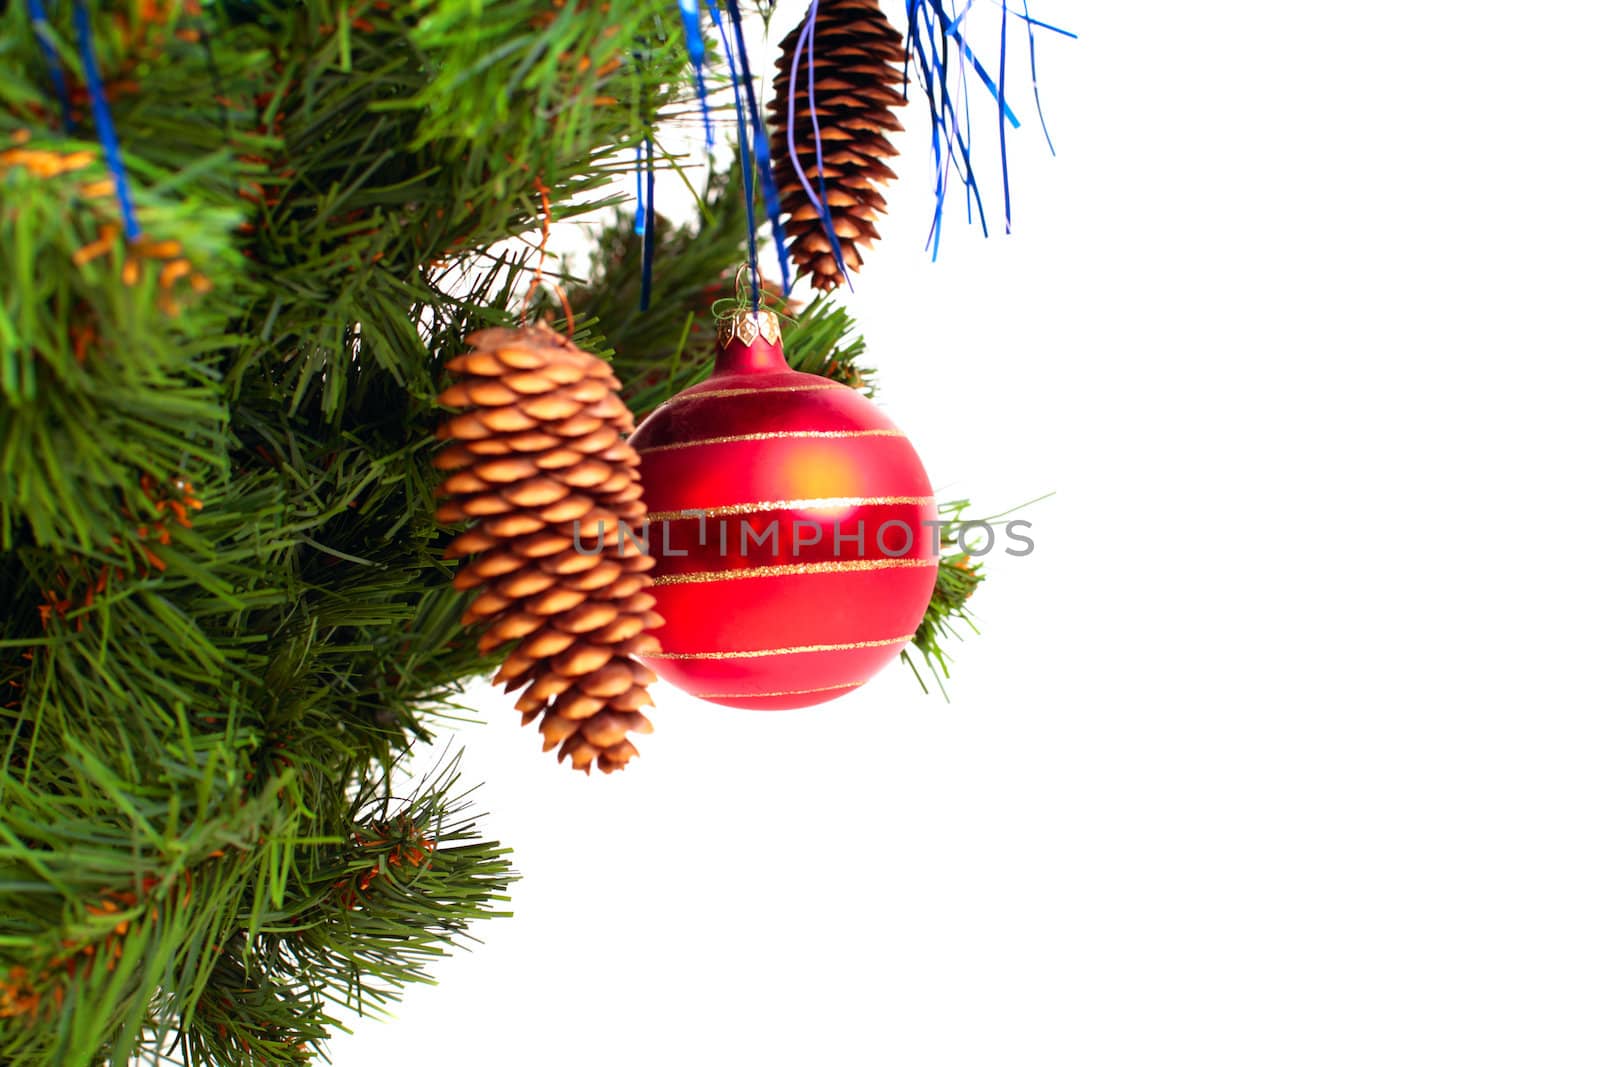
{"x":791,"y":526}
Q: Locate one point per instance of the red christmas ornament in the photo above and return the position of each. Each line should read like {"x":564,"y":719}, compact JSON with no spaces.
{"x":791,"y":525}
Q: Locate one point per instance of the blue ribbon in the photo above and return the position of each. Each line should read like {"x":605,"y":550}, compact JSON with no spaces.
{"x":763,"y":154}
{"x":1005,"y":166}
{"x":933,"y":31}
{"x":746,"y":171}
{"x":689,"y":11}
{"x":102,"y":118}
{"x":52,"y":60}
{"x":1031,"y":21}
{"x":649,"y":223}
{"x":966,"y":126}
{"x":947,"y":124}
{"x":638,"y":189}
{"x":928,"y":64}
{"x":977,"y":67}
{"x":819,"y":195}
{"x":1033,"y":72}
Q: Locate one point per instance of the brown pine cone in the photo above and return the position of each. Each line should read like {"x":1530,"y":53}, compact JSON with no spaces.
{"x":541,"y":466}
{"x":855,"y":83}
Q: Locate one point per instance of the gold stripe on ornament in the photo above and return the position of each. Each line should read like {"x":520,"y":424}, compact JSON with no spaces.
{"x":775,"y":435}
{"x":782,"y":570}
{"x":782,"y":505}
{"x":793,"y":649}
{"x":779,"y":693}
{"x":771,"y":389}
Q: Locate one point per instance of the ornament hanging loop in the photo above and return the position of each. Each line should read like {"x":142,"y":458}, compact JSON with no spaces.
{"x":747,"y":281}
{"x":745,"y":316}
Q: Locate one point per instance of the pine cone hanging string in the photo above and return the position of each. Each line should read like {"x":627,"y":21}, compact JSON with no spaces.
{"x":849,"y":91}
{"x":542,"y":446}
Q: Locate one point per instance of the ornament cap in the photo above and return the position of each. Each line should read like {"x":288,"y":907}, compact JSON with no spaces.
{"x":750,"y":342}
{"x":746,"y":326}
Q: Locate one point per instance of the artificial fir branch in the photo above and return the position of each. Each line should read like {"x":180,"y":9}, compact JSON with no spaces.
{"x":367,"y":917}
{"x":957,"y":580}
{"x":958,"y":577}
{"x":190,"y":701}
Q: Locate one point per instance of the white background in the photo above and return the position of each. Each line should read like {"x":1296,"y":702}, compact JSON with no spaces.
{"x":1282,"y":748}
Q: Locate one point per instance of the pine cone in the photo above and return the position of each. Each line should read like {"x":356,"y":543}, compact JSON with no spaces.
{"x":541,"y":464}
{"x":858,"y":58}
